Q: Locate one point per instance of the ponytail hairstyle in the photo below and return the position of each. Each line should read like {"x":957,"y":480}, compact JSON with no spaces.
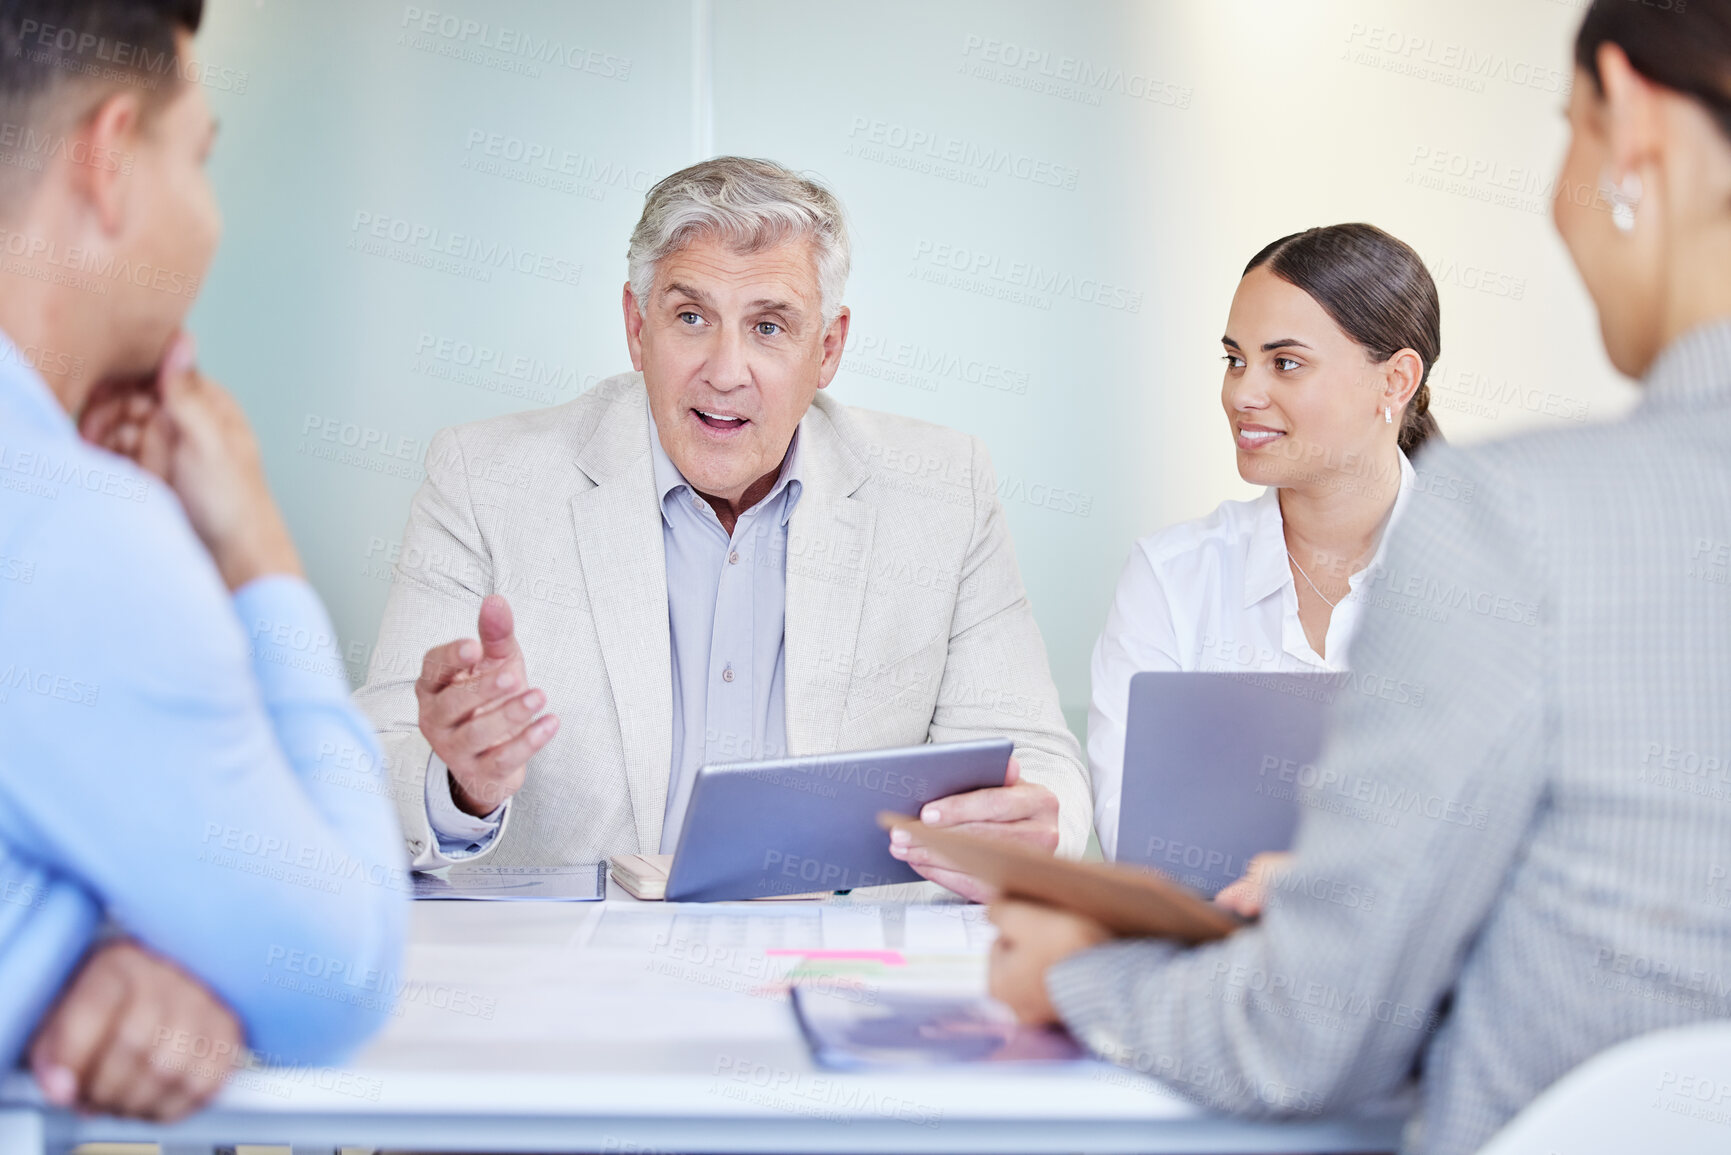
{"x":1377,"y":289}
{"x":1687,"y":50}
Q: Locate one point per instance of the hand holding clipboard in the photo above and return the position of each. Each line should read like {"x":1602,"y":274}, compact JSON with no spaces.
{"x":1130,"y":901}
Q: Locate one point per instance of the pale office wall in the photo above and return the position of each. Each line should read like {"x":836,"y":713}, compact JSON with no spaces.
{"x":1050,"y":200}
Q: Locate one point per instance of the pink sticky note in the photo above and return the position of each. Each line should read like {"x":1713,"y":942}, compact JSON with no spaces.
{"x":887,"y":957}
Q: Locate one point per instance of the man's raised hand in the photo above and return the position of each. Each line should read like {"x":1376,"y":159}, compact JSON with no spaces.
{"x":478,"y":711}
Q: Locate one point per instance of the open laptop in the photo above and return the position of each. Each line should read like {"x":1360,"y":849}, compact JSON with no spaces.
{"x":1212,"y":766}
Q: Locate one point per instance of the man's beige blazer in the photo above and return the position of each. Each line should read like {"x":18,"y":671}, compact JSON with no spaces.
{"x":906,"y":617}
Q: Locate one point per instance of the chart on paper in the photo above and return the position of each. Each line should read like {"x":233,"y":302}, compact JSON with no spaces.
{"x":939,"y":929}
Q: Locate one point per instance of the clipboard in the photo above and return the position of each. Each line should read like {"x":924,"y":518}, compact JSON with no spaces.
{"x":586,"y":883}
{"x":1130,"y":901}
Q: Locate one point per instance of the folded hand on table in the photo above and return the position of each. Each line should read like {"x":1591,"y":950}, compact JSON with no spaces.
{"x":133,"y":1034}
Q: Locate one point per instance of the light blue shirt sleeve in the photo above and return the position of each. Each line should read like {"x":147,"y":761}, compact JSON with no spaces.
{"x":460,"y":835}
{"x":191,"y":763}
{"x":46,"y":923}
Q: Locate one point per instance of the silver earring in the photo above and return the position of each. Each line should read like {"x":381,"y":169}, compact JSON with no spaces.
{"x":1387,"y":417}
{"x":1625,"y":198}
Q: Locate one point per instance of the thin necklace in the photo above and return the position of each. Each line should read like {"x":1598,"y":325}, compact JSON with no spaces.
{"x":1308,"y":582}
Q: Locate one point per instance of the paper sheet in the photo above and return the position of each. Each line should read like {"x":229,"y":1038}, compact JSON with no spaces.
{"x":717,"y":926}
{"x":950,"y":929}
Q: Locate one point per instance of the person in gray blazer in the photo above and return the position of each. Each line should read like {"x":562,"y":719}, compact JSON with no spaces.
{"x":707,"y":560}
{"x":1532,"y":865}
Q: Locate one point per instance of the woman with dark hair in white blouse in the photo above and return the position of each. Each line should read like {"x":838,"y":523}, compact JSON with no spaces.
{"x":1328,"y":347}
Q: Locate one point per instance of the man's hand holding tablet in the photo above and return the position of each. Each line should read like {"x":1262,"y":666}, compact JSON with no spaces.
{"x":1017,"y":811}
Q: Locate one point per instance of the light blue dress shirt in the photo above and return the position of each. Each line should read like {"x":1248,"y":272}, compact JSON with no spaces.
{"x":726,"y":608}
{"x":726,"y":611}
{"x":183,"y":762}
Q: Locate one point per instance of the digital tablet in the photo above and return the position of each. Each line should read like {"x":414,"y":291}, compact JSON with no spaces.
{"x":757,"y":829}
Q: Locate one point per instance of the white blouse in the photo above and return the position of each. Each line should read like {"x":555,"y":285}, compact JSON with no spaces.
{"x":1212,"y":594}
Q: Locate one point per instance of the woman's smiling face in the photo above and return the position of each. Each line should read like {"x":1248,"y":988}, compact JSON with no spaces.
{"x":1302,"y":397}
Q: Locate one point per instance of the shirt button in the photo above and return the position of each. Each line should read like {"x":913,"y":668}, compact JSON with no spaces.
{"x":733,"y":558}
{"x":727,"y":674}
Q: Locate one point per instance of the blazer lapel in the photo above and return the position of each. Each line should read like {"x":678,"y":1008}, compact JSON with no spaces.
{"x":619,"y":540}
{"x":828,"y":562}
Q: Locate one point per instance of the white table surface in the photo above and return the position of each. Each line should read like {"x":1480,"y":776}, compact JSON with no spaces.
{"x":543,"y":1027}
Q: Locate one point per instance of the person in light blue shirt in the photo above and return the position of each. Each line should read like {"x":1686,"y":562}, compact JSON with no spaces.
{"x":196,"y":844}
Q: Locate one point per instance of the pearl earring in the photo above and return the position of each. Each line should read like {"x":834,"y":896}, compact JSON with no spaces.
{"x":1387,"y":417}
{"x":1625,"y":198}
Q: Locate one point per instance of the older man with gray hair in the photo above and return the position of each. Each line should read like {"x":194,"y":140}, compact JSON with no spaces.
{"x":706,"y":560}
